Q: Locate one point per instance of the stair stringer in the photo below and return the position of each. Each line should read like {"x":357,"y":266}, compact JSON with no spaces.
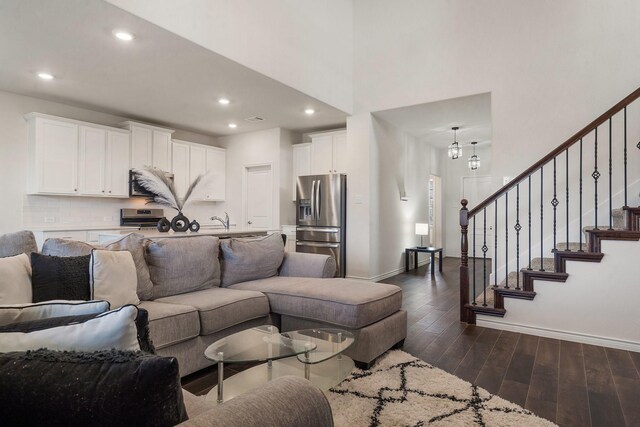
{"x":597,"y":304}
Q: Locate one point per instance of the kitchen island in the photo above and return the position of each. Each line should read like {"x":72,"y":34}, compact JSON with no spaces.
{"x":222,"y":233}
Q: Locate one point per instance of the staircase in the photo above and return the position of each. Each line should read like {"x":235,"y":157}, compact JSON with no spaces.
{"x":576,"y":186}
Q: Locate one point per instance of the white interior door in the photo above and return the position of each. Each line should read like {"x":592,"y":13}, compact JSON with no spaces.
{"x":476,"y":189}
{"x":258,"y":196}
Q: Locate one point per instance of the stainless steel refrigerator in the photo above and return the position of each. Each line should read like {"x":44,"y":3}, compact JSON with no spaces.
{"x":322,"y":217}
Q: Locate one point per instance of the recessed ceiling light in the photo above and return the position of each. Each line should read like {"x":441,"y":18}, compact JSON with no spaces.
{"x":233,"y":125}
{"x":223,"y":101}
{"x":309,"y":111}
{"x":123,"y":35}
{"x":45,"y":76}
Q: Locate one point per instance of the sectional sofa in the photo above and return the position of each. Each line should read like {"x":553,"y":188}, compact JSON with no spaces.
{"x":198,"y":290}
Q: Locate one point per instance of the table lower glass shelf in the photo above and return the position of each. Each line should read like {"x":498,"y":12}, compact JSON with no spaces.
{"x":324,"y":375}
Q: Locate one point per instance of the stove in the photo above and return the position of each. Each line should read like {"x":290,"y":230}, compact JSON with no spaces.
{"x":143,"y":218}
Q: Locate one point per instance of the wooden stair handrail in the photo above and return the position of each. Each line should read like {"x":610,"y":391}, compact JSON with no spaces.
{"x":568,"y":143}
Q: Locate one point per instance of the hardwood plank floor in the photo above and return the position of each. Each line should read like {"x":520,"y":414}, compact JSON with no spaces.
{"x":568,"y":383}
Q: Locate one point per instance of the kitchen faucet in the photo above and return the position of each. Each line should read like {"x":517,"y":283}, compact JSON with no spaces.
{"x":225,"y":221}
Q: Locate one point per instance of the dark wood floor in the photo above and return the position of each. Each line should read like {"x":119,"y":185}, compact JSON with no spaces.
{"x":568,"y":383}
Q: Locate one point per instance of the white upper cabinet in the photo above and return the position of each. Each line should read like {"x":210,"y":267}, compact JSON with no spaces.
{"x":301,"y":164}
{"x":150,"y":145}
{"x":327,"y":152}
{"x":53,"y":156}
{"x":216,"y":166}
{"x":69,"y":157}
{"x":180,"y":167}
{"x":92,"y":163}
{"x":197,"y":161}
{"x":118,"y":164}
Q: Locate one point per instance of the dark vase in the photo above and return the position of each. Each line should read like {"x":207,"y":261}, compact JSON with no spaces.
{"x":164,"y":225}
{"x":194,"y":226}
{"x":180,"y":222}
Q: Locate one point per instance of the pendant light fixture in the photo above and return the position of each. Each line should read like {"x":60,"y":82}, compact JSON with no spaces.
{"x":474,"y":160}
{"x":455,"y":150}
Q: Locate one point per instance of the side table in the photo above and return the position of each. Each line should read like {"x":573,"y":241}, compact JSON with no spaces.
{"x":427,"y":249}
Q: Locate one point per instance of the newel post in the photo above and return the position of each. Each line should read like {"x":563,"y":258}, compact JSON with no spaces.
{"x":464,"y":262}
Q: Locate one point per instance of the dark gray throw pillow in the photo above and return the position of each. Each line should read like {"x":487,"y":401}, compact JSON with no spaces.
{"x":102,"y":388}
{"x":61,"y":278}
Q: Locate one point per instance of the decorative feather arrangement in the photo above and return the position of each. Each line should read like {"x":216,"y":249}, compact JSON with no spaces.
{"x":164,"y":193}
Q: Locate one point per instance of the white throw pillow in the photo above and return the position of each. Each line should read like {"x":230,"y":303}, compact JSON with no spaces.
{"x":15,"y":280}
{"x":113,"y":329}
{"x":113,"y":277}
{"x":17,"y":313}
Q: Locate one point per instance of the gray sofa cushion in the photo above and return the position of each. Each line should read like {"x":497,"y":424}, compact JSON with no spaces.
{"x":344,"y":302}
{"x":12,"y":244}
{"x":300,"y":264}
{"x":170,"y":324}
{"x":178,"y":265}
{"x":64,"y":247}
{"x":132,"y":242}
{"x":220,"y":308}
{"x":251,"y":258}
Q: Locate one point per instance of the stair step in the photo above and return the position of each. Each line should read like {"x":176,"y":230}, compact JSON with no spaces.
{"x":571,"y":246}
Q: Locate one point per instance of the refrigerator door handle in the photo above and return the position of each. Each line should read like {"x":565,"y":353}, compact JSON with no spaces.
{"x":319,"y":229}
{"x":318,"y":245}
{"x":313,"y":200}
{"x":318,"y":205}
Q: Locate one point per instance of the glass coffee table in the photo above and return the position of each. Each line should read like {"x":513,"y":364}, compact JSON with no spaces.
{"x":315,"y":354}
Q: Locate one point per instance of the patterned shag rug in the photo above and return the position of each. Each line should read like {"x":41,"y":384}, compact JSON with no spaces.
{"x":401,"y":390}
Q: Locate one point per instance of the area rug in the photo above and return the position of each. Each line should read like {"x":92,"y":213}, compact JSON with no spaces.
{"x":401,"y":390}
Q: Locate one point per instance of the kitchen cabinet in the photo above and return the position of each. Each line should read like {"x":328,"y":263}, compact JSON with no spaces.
{"x":301,"y":164}
{"x":70,"y":157}
{"x":216,"y":166}
{"x":180,"y":167}
{"x":150,"y":145}
{"x":53,"y":156}
{"x":328,"y":152}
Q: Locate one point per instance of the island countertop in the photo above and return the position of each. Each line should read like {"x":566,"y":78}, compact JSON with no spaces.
{"x":218,"y":232}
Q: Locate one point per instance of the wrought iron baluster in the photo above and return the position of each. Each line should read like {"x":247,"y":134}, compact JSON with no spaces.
{"x":484,"y":257}
{"x":595,"y":175}
{"x":506,"y":240}
{"x":541,"y":217}
{"x":517,"y":227}
{"x":529,"y":268}
{"x":554,"y":202}
{"x":567,"y":186}
{"x":580,"y":218}
{"x":495,"y":244}
{"x":625,"y":156}
{"x":610,"y":177}
{"x":474,"y":260}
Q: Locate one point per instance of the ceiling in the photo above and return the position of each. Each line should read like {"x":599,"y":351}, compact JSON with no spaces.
{"x":432,"y":122}
{"x":158,"y":77}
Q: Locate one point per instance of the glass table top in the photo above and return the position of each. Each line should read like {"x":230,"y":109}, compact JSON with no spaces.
{"x":328,"y":343}
{"x":259,"y":344}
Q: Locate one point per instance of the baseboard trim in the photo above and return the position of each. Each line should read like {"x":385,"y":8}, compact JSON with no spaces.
{"x":389,"y":273}
{"x":561,"y":335}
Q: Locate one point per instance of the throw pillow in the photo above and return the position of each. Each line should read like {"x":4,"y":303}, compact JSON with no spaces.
{"x":135,"y":243}
{"x":245,"y":259}
{"x":17,"y":313}
{"x":15,"y":280}
{"x":113,"y":329}
{"x":103,"y":388}
{"x":17,"y":243}
{"x":113,"y":277}
{"x":60,"y":278}
{"x":178,"y":265}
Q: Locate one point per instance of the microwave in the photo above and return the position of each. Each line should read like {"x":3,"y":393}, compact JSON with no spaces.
{"x":135,"y":190}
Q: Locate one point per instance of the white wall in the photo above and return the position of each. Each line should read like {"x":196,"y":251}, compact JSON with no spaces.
{"x":253,"y":148}
{"x":551,"y":67}
{"x":305,"y":44}
{"x":18,"y":210}
{"x":599,"y":312}
{"x":287,"y":207}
